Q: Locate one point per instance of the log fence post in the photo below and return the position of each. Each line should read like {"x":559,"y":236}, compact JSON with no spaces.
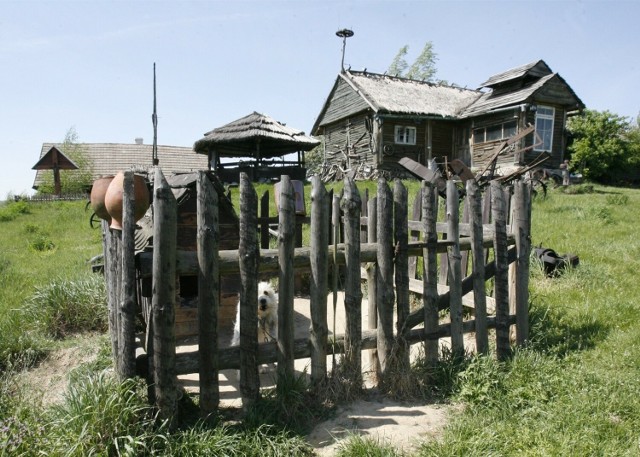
{"x":351,"y":205}
{"x":249,"y":256}
{"x":455,"y":268}
{"x":503,"y":349}
{"x":318,"y":332}
{"x":474,"y":199}
{"x":385,"y":297}
{"x":286,"y":250}
{"x":163,"y":304}
{"x":401,"y":267}
{"x":208,"y":238}
{"x":430,"y":273}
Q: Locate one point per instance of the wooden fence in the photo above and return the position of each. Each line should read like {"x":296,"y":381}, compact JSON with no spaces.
{"x":383,"y":238}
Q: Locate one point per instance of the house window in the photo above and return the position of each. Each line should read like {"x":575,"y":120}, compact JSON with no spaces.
{"x":405,"y":135}
{"x":544,"y":128}
{"x":495,"y":132}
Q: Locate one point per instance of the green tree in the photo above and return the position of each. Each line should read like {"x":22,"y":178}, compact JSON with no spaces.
{"x":71,"y":181}
{"x":423,"y":68}
{"x":603,"y":146}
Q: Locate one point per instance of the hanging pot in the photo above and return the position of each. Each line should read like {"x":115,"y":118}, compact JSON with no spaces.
{"x":114,"y":197}
{"x":98,"y":191}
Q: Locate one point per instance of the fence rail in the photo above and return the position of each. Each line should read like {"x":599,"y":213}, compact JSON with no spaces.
{"x":374,"y":232}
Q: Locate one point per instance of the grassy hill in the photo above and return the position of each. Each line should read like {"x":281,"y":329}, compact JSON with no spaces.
{"x":573,"y":391}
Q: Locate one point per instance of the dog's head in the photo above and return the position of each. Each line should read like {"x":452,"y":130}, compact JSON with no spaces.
{"x":267,"y":300}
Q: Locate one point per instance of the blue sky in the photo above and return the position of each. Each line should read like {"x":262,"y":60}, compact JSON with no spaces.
{"x":89,"y":64}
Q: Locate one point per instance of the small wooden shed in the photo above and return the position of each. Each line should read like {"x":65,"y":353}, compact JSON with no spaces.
{"x":259,"y":143}
{"x":183,"y":186}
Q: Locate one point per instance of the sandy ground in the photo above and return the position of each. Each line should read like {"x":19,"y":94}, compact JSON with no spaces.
{"x":399,"y":424}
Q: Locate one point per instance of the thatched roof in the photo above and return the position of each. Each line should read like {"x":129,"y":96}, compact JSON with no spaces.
{"x":250,"y":134}
{"x":384,"y":94}
{"x":109,"y":158}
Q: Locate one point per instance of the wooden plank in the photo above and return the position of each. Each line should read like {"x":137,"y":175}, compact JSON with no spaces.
{"x":208,"y":293}
{"x":503,"y":348}
{"x":522,"y":231}
{"x":264,"y":220}
{"x":416,"y":216}
{"x":187,"y":362}
{"x":163,"y":301}
{"x":350,"y":205}
{"x":286,"y":249}
{"x":474,"y":197}
{"x":319,"y":332}
{"x":385,"y":296}
{"x":371,"y":277}
{"x":455,"y":269}
{"x":429,"y":315}
{"x":128,"y":300}
{"x":248,"y":260}
{"x":401,"y":267}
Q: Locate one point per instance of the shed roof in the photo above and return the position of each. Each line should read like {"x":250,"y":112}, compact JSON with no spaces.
{"x":54,"y":158}
{"x":109,"y":158}
{"x":536,"y":69}
{"x":493,"y":100}
{"x":245,"y":136}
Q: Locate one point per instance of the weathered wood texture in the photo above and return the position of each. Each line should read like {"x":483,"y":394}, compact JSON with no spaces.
{"x":163,"y":303}
{"x":249,"y":255}
{"x":319,"y":332}
{"x":350,"y":205}
{"x":127,"y":308}
{"x":286,"y":249}
{"x":388,"y":251}
{"x":208,"y":294}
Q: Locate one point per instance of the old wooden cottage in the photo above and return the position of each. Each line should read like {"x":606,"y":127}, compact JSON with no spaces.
{"x":370,"y":121}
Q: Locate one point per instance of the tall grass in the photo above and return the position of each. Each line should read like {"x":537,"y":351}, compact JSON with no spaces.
{"x":43,"y":244}
{"x":572,"y":392}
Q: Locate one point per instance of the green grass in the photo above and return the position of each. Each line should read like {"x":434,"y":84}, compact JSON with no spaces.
{"x":573,"y":391}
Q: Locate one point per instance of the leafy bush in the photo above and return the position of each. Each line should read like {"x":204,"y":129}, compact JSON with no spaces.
{"x":13,"y":209}
{"x":65,"y":306}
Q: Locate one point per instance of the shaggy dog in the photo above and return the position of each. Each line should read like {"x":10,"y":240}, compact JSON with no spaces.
{"x":267,"y":308}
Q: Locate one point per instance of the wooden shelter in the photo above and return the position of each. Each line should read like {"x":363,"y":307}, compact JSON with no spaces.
{"x":261,"y":143}
{"x":184,"y":190}
{"x":55,"y":160}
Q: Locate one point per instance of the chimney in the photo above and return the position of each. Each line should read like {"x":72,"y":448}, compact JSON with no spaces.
{"x":139,"y":140}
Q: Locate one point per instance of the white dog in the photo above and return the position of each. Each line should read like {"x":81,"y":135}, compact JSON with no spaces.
{"x":267,"y":308}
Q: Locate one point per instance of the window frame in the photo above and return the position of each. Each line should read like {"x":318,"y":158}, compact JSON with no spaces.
{"x":405,"y":137}
{"x":503,"y":129}
{"x":546,"y":117}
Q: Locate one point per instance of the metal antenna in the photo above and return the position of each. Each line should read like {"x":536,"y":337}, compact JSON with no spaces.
{"x":154,"y":119}
{"x":344,"y":34}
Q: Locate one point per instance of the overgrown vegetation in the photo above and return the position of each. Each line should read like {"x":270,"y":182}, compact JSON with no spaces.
{"x":605,"y":147}
{"x":572,"y":391}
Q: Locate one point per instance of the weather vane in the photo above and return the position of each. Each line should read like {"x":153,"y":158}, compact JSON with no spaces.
{"x":344,"y":34}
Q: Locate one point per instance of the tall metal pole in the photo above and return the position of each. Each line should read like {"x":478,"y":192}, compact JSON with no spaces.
{"x":344,"y":34}
{"x":154,"y":119}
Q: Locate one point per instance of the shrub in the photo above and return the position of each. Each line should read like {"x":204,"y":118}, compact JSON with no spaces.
{"x":66,"y":306}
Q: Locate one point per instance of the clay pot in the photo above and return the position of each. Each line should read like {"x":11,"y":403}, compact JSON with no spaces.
{"x":98,"y":191}
{"x":114,"y":196}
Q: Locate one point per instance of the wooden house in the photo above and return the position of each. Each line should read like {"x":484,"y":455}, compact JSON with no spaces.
{"x":370,"y":121}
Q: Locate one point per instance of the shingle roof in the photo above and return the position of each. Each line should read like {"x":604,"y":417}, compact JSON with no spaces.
{"x":109,"y":158}
{"x":240,"y":138}
{"x":389,"y":94}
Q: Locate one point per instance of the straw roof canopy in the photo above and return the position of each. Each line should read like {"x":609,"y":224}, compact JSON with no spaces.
{"x":255,"y":135}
